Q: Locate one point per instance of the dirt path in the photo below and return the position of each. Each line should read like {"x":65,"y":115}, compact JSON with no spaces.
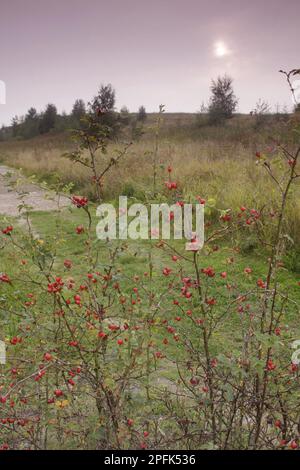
{"x":36,"y":197}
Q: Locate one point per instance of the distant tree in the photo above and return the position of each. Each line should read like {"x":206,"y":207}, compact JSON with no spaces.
{"x":30,"y":126}
{"x":223,"y":101}
{"x":31,"y":115}
{"x":262,"y":107}
{"x":102,"y":107}
{"x":261,"y":112}
{"x":78,"y":110}
{"x":124,"y":115}
{"x":104,"y":101}
{"x":202,"y":119}
{"x":203,"y":108}
{"x":142,"y":115}
{"x":65,"y":122}
{"x":48,"y":119}
{"x":15,"y":124}
{"x":2,"y":133}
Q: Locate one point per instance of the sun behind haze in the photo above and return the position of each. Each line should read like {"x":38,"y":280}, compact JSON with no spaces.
{"x":221,"y":49}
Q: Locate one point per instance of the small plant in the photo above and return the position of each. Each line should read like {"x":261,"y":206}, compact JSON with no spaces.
{"x":92,"y":141}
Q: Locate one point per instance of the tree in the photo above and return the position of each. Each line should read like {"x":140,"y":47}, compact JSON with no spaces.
{"x":203,"y":108}
{"x":124,"y":115}
{"x":262,"y":107}
{"x":31,"y":115}
{"x":2,"y":133}
{"x":202,"y":116}
{"x":30,"y":127}
{"x":78,"y":110}
{"x":48,"y":120}
{"x":102,"y":108}
{"x":261,"y":112}
{"x":142,"y":115}
{"x":104,"y":101}
{"x":15,"y":123}
{"x":223,"y":101}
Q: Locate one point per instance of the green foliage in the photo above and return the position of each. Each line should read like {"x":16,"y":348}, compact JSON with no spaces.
{"x":104,"y":101}
{"x":48,"y":119}
{"x":125,"y":116}
{"x":223,"y":102}
{"x":142,"y":115}
{"x":292,"y":260}
{"x":248,"y":244}
{"x":78,"y":113}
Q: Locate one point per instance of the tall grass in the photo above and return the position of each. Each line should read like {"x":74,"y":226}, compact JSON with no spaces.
{"x":207,"y":162}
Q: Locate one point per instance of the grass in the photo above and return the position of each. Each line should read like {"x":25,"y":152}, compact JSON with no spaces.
{"x":215,"y":163}
{"x":207,"y":161}
{"x":56,"y":232}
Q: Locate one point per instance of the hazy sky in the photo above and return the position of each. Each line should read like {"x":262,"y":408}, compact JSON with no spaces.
{"x":152,"y":51}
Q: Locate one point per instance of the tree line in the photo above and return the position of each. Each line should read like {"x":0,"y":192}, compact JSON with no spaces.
{"x":36,"y":123}
{"x":221,"y":106}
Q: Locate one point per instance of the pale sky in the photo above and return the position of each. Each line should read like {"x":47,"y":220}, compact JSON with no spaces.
{"x":153,"y":52}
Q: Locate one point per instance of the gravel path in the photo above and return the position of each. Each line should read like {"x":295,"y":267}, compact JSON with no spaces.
{"x":36,"y":198}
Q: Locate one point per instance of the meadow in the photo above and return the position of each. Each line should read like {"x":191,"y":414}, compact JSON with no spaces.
{"x":141,"y":344}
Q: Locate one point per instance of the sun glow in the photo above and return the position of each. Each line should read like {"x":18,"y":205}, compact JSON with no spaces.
{"x":220,"y":49}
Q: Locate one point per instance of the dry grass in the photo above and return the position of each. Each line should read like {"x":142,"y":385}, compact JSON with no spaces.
{"x":223,"y":168}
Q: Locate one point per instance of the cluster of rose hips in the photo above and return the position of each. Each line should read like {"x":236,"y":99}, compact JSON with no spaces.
{"x":7,"y":230}
{"x":251,"y":215}
{"x":80,"y":229}
{"x":5,"y":278}
{"x":55,"y":286}
{"x":171,"y":185}
{"x":208,"y":271}
{"x":15,"y":340}
{"x":79,"y":201}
